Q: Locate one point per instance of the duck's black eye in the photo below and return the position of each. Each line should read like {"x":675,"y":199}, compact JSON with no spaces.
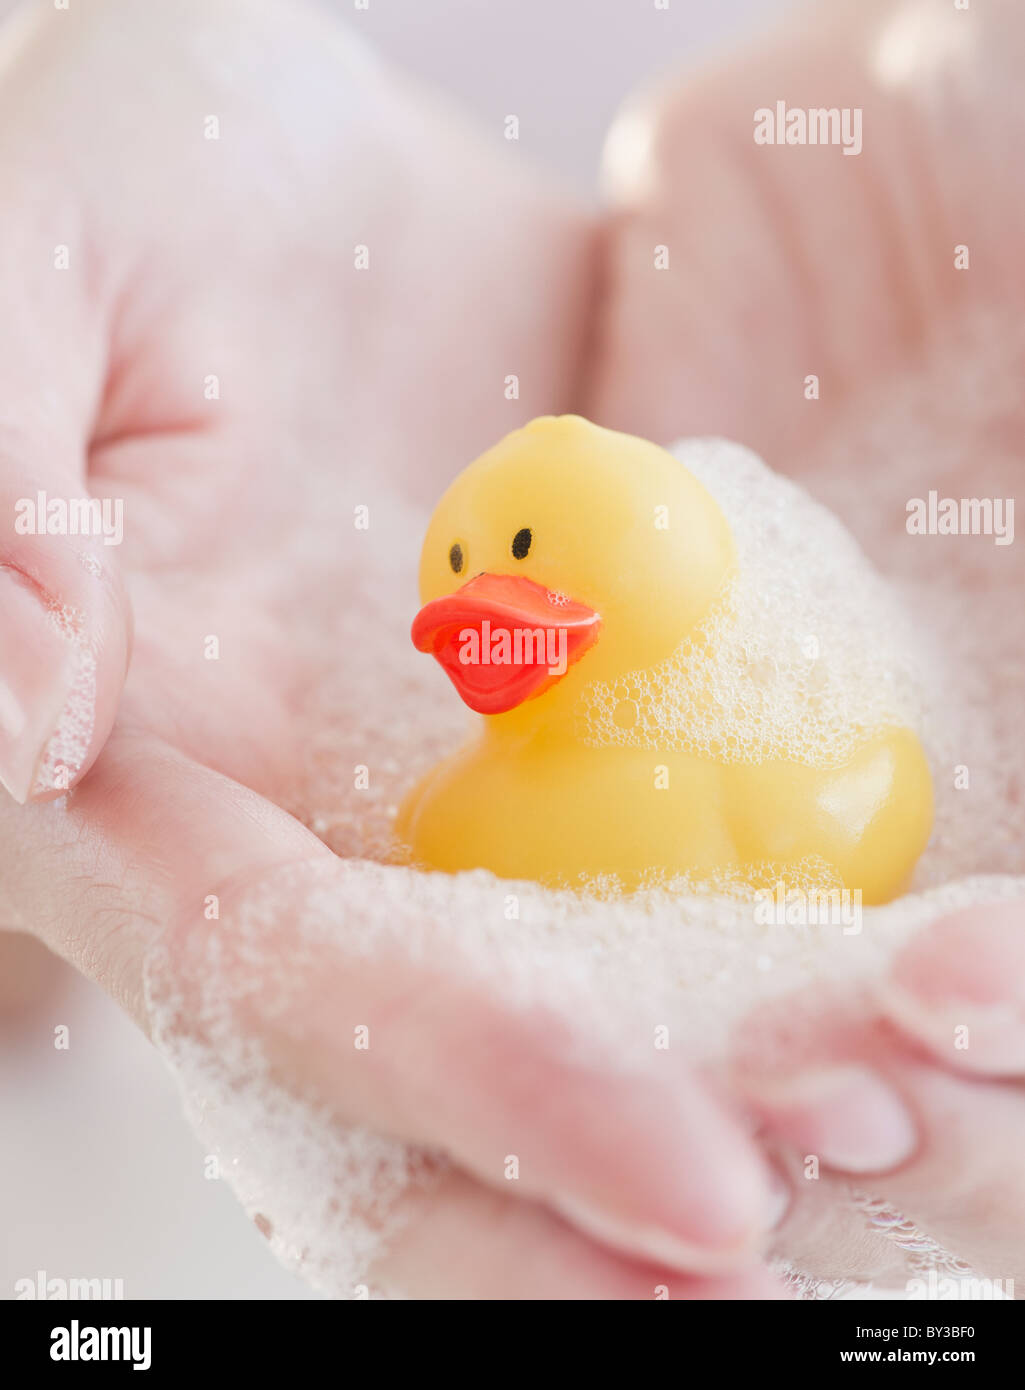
{"x":521,"y":543}
{"x":455,"y":557}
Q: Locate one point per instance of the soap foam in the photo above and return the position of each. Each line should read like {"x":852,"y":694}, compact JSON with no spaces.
{"x":324,"y":1196}
{"x":68,"y":746}
{"x":804,"y":654}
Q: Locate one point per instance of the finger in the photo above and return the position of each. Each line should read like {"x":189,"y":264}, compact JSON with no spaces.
{"x":101,"y":873}
{"x":962,"y":1185}
{"x":826,"y":1235}
{"x":645,"y":1157}
{"x":959,"y":990}
{"x":941,"y":1149}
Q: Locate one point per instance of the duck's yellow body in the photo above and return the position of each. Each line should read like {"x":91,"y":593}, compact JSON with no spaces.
{"x":545,"y":568}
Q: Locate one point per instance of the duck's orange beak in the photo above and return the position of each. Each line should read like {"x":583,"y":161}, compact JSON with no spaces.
{"x":503,"y":639}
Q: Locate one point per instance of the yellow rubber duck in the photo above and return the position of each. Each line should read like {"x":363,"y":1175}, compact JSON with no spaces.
{"x":542,"y":572}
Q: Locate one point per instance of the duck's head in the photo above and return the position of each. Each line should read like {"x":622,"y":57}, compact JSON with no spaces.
{"x":566,"y":548}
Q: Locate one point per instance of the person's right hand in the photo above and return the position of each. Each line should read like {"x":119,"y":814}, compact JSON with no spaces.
{"x":139,"y":260}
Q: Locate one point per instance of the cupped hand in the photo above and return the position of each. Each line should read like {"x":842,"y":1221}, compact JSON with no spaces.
{"x":219,"y":355}
{"x":251,"y":288}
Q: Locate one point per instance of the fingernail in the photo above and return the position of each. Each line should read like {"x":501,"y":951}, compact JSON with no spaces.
{"x":846,"y":1116}
{"x":37,"y":673}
